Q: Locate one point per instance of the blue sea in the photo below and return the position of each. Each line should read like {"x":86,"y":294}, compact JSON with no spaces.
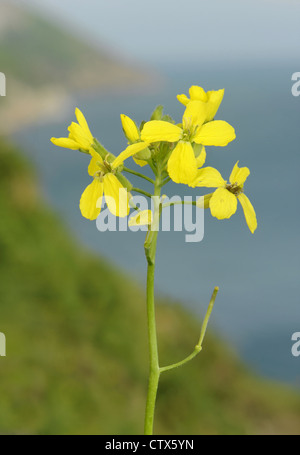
{"x":258,"y":307}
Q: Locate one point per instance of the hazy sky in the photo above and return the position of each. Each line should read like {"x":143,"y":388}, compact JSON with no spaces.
{"x":184,"y":31}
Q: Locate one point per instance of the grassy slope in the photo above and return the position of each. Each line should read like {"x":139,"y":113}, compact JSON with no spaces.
{"x":76,"y":347}
{"x":45,"y":64}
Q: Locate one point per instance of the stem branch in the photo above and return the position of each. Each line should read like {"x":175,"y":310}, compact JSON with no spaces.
{"x":145,"y":193}
{"x":138,"y":174}
{"x":198,"y":347}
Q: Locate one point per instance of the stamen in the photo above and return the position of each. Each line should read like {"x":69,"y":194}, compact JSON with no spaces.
{"x":234,"y":188}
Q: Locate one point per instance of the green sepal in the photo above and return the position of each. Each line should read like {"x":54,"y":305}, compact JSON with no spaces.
{"x":84,"y":151}
{"x":164,"y":152}
{"x":197,"y":149}
{"x":157,"y":113}
{"x":124,"y":181}
{"x":105,"y":154}
{"x":142,"y":125}
{"x":168,"y":118}
{"x":143,"y":154}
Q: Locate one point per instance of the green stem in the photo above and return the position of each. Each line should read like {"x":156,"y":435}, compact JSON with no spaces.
{"x":154,"y":371}
{"x":204,"y":202}
{"x":145,"y":193}
{"x":198,"y":347}
{"x":170,"y":204}
{"x":166,"y":181}
{"x":153,"y":168}
{"x":101,"y":150}
{"x":182,"y":362}
{"x":138,"y":174}
{"x":153,"y":354}
{"x":207,"y":316}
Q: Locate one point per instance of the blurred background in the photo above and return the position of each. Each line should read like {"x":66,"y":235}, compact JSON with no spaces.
{"x":72,"y":303}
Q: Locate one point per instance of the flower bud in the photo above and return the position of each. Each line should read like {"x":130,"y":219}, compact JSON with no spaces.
{"x":130,"y":129}
{"x":143,"y":154}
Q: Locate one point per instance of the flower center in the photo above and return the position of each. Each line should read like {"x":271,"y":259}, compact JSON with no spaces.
{"x":234,"y":188}
{"x":189,"y":132}
{"x":104,"y":168}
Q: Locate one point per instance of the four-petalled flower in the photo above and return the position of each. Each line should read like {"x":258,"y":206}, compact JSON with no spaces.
{"x":80,"y":136}
{"x":212,"y":99}
{"x":223,"y":202}
{"x":183,"y":164}
{"x":105,"y":183}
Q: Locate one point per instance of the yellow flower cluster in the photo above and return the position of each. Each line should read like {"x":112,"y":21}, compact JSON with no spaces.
{"x":178,"y":151}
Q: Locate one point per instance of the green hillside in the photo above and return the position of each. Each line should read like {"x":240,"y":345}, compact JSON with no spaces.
{"x":45,"y":63}
{"x":38,"y":52}
{"x":76,"y":341}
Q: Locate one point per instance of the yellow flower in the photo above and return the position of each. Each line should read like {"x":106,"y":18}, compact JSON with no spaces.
{"x":133,"y":135}
{"x":212,"y":99}
{"x":80,"y":136}
{"x":105,"y":183}
{"x":182,"y":164}
{"x":223,"y":202}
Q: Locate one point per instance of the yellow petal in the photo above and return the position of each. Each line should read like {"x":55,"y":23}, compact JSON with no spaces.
{"x":93,"y":167}
{"x":90,"y":202}
{"x":239,"y":175}
{"x":194,"y":115}
{"x":209,"y":177}
{"x":79,"y":135}
{"x":222,"y":204}
{"x":215,"y":98}
{"x":116,"y":196}
{"x":130,"y":129}
{"x":129,"y":151}
{"x":141,"y":163}
{"x":83,"y":123}
{"x":94,"y":163}
{"x":182,"y":165}
{"x":217,"y":133}
{"x":183,"y":99}
{"x":249,"y":212}
{"x":65,"y":143}
{"x":141,"y":219}
{"x":201,"y":158}
{"x":197,"y":93}
{"x":158,"y":130}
